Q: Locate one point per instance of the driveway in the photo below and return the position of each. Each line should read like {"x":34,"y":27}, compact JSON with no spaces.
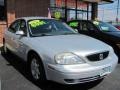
{"x":14,"y":76}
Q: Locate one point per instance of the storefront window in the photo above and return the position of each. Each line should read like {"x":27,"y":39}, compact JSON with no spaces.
{"x":2,"y":11}
{"x":82,"y":10}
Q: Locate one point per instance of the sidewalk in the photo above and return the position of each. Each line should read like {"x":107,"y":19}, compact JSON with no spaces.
{"x":0,"y":83}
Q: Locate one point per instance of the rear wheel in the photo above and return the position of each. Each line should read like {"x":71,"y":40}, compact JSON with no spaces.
{"x":36,"y":69}
{"x":4,"y":48}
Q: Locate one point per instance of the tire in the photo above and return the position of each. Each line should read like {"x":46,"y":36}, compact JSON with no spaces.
{"x":4,"y":50}
{"x":36,"y":68}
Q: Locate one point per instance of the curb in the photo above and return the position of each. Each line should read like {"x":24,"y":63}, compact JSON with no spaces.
{"x":0,"y":84}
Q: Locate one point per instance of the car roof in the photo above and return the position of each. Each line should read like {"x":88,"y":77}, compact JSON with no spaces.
{"x":33,"y":17}
{"x":90,"y":21}
{"x":80,"y":20}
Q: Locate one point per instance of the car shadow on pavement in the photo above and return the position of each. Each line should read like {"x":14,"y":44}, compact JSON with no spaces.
{"x":21,"y":67}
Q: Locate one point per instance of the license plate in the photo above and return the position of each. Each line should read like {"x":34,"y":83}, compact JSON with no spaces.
{"x":105,"y":71}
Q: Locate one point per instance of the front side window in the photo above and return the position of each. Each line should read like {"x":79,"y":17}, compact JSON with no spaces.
{"x":40,"y":27}
{"x":14,"y":26}
{"x":23,"y":27}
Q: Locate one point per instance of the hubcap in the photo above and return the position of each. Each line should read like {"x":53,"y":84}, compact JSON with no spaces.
{"x":35,"y":69}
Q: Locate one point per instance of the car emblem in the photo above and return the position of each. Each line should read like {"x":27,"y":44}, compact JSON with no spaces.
{"x":101,"y":56}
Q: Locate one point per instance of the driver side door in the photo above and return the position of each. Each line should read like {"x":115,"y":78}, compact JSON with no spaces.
{"x":10,"y":36}
{"x":20,"y":39}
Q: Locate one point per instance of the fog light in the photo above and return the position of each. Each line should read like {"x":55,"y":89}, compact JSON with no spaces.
{"x":69,"y":80}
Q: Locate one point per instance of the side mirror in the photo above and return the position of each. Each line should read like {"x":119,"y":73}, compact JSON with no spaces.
{"x":20,"y":33}
{"x":76,"y":30}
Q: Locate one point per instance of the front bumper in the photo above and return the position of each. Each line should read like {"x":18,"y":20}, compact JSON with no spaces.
{"x":74,"y":74}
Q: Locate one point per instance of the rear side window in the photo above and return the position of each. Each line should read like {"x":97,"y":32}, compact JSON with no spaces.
{"x":74,"y":24}
{"x":86,"y":26}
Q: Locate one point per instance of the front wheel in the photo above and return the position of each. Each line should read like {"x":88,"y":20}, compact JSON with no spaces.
{"x":36,"y":69}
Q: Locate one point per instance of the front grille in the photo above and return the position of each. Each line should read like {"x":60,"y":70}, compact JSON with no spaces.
{"x":98,"y":56}
{"x":84,"y":80}
{"x":89,"y":79}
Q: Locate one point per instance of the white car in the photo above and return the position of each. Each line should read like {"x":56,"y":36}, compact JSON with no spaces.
{"x":54,"y":51}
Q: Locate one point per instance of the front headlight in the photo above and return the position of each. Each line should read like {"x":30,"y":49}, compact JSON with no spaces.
{"x":68,"y":59}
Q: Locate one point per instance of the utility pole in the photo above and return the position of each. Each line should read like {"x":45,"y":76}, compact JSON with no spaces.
{"x":65,"y":10}
{"x":94,"y":11}
{"x":117,"y":19}
{"x":103,"y":15}
{"x":75,"y":9}
{"x":87,"y":10}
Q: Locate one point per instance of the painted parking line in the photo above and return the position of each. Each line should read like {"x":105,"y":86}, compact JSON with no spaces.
{"x":0,"y":84}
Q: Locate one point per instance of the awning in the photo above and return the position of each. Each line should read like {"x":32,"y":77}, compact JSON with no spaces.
{"x":99,"y":1}
{"x":92,"y":0}
{"x":106,"y":1}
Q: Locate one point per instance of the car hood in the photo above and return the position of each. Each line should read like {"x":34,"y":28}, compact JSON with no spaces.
{"x":116,"y":34}
{"x":78,"y":44}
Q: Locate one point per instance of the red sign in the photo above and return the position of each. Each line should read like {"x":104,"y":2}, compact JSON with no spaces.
{"x":71,"y":4}
{"x":58,"y":3}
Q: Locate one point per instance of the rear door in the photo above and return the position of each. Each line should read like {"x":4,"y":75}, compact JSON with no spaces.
{"x":88,"y":28}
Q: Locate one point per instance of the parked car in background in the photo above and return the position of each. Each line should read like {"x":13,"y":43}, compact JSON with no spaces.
{"x":54,"y":51}
{"x":99,"y":30}
{"x":117,"y":26}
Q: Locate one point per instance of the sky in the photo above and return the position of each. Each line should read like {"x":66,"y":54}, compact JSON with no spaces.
{"x":108,"y":12}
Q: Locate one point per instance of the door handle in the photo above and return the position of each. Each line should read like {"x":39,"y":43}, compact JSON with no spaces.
{"x":13,"y":39}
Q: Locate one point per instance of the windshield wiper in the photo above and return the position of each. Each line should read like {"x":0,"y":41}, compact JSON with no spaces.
{"x":43,"y":34}
{"x":68,"y":33}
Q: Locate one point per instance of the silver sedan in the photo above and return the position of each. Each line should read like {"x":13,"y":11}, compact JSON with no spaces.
{"x":53,"y":51}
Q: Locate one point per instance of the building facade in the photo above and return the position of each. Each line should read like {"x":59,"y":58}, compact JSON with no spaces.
{"x":61,"y":9}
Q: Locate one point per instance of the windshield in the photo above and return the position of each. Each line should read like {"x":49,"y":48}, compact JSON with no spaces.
{"x":105,"y":27}
{"x":46,"y":27}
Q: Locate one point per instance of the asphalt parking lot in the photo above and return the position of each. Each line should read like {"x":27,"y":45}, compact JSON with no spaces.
{"x":14,"y":76}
